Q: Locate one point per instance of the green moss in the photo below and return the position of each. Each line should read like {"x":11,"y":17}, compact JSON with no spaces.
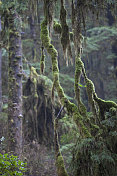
{"x":60,"y":166}
{"x":78,"y":70}
{"x":82,"y":109}
{"x":90,"y":86}
{"x":44,"y":34}
{"x":65,"y":41}
{"x":53,"y":52}
{"x":113,"y":110}
{"x":104,"y":106}
{"x":42,"y":61}
{"x":33,"y":73}
{"x":35,"y":95}
{"x":49,"y":11}
{"x":42,"y":67}
{"x":65,"y":37}
{"x":57,"y":27}
{"x":79,"y":122}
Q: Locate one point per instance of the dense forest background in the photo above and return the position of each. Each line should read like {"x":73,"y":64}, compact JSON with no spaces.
{"x":49,"y":134}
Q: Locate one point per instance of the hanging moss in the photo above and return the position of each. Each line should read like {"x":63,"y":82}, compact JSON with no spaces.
{"x":65,"y":39}
{"x":49,"y":12}
{"x":90,"y":89}
{"x":90,"y":92}
{"x":71,"y":35}
{"x":33,"y":73}
{"x":53,"y":52}
{"x":34,"y":77}
{"x":57,"y":27}
{"x":61,"y":171}
{"x":104,"y":106}
{"x":73,"y":13}
{"x":42,"y":61}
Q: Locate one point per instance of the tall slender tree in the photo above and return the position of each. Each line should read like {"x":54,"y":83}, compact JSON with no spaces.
{"x":15,"y":82}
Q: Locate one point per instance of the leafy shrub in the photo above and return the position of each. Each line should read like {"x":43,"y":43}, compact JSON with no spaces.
{"x":10,"y":165}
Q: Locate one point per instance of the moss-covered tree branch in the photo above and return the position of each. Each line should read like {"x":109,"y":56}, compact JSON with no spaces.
{"x":71,"y":108}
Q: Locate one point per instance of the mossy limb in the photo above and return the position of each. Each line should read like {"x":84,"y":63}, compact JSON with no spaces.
{"x":78,"y":70}
{"x":53,"y":53}
{"x":33,"y":73}
{"x":105,"y":106}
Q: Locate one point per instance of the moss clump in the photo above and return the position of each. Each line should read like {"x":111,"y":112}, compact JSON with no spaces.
{"x":57,"y":27}
{"x":113,"y":111}
{"x":33,"y":73}
{"x":60,"y":166}
{"x":78,"y":119}
{"x":105,"y":106}
{"x":44,"y":34}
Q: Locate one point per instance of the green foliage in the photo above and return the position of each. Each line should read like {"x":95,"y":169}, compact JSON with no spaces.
{"x":97,"y":155}
{"x":19,"y":4}
{"x":68,"y":129}
{"x":11,"y":165}
{"x":98,"y":35}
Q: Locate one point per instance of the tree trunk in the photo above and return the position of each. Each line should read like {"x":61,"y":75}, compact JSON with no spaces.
{"x":15,"y":84}
{"x":0,"y":70}
{"x":33,"y":35}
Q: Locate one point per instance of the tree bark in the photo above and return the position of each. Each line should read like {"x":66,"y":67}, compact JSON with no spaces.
{"x":33,"y":35}
{"x":15,"y":84}
{"x":0,"y":70}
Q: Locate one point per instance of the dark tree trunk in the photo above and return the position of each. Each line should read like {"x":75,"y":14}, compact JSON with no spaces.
{"x":15,"y":84}
{"x":33,"y":35}
{"x":0,"y":70}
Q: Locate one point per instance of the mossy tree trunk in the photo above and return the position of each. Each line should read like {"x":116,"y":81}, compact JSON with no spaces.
{"x":0,"y":70}
{"x":15,"y":84}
